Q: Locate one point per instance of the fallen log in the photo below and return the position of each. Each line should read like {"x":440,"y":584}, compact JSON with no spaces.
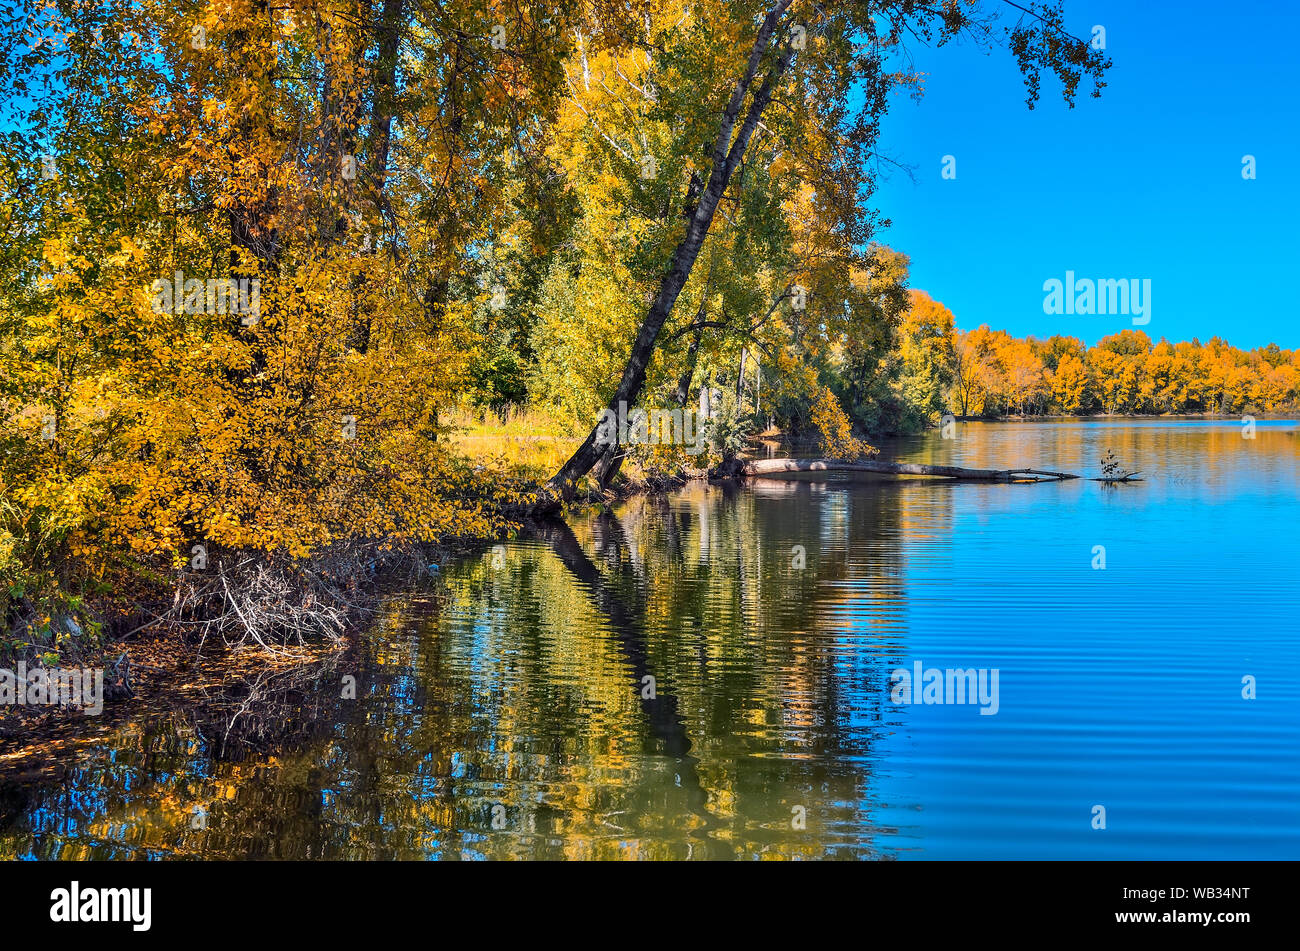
{"x":1126,"y":477}
{"x":779,"y":467}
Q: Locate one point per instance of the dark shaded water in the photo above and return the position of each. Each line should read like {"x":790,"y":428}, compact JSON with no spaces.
{"x":667,"y":683}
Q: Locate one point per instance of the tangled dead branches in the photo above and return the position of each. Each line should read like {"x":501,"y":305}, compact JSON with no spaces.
{"x":263,"y":600}
{"x":274,"y":601}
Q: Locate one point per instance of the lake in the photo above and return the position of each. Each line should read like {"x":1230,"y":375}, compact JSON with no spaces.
{"x":711,"y":674}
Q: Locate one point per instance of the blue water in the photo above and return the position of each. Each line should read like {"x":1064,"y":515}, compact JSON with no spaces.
{"x":669,"y":682}
{"x":1123,"y":686}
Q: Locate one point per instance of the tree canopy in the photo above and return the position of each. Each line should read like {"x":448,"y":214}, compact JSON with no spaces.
{"x":257,"y":251}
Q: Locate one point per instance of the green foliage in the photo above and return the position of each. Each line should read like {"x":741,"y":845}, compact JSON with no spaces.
{"x":496,"y":378}
{"x":430,"y":224}
{"x":729,"y":430}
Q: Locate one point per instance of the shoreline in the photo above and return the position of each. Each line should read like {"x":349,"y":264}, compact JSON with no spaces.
{"x":1098,"y":417}
{"x":164,"y":661}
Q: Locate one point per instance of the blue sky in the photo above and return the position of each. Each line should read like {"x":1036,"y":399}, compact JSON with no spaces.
{"x":1145,"y":182}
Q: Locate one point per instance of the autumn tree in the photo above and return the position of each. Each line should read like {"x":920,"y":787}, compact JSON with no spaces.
{"x":839,"y":49}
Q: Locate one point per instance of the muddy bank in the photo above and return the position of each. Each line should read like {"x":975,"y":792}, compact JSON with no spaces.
{"x":179,"y":654}
{"x":239,"y":698}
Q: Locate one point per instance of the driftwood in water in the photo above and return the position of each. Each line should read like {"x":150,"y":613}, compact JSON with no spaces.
{"x":776,"y":467}
{"x":1126,"y":477}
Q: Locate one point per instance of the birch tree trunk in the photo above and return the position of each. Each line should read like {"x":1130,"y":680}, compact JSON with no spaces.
{"x":726,"y":157}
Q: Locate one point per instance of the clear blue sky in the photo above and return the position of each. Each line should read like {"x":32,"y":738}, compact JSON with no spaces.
{"x":1143,"y":183}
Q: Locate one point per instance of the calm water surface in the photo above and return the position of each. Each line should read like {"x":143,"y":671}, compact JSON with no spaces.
{"x":664,"y":683}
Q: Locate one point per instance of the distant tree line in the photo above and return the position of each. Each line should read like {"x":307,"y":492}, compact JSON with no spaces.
{"x":984,"y":372}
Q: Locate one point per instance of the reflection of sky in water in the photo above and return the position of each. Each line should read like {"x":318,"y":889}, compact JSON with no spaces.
{"x":524,"y":687}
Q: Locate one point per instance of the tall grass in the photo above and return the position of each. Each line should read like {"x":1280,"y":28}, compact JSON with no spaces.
{"x":527,"y":441}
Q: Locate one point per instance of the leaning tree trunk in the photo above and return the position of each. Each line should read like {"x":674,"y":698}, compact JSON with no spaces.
{"x":389,"y":29}
{"x":693,"y":350}
{"x":249,"y":220}
{"x":688,"y":372}
{"x":740,"y":380}
{"x":726,"y":156}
